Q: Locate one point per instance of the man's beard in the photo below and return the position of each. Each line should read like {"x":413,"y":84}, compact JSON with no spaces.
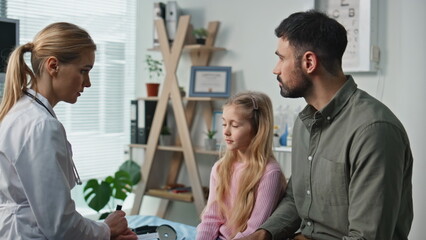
{"x":303,"y":84}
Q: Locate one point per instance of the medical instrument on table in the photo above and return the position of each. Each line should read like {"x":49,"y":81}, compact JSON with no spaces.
{"x":162,"y":232}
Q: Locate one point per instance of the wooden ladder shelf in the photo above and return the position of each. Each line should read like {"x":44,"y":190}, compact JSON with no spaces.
{"x":184,"y":115}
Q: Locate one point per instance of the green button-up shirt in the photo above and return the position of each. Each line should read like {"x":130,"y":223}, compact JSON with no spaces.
{"x":351,"y":173}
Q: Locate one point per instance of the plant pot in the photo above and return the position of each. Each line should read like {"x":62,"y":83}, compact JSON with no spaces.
{"x":210,"y":144}
{"x":165,"y":140}
{"x":200,"y":41}
{"x":182,"y":92}
{"x":152,"y":89}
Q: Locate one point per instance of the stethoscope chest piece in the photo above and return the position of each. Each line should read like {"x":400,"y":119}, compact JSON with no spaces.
{"x":166,"y":232}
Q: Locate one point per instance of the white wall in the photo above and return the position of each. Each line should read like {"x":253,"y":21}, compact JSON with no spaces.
{"x":400,"y":84}
{"x":404,"y":74}
{"x":247,"y":32}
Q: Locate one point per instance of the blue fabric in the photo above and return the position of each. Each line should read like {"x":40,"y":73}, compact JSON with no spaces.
{"x":184,"y":232}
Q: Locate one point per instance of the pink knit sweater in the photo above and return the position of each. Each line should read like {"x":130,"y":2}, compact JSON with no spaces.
{"x":270,"y":191}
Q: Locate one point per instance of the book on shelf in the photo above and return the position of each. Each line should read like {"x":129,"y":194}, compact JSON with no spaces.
{"x":133,"y":121}
{"x":141,"y":117}
{"x":146,"y":111}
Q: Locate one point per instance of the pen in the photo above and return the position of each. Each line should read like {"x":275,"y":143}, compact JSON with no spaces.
{"x":118,"y":207}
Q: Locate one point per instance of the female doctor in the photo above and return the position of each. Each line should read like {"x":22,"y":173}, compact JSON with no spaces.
{"x":36,"y":167}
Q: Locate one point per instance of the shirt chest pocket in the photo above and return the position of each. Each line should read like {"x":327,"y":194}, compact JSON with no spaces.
{"x":330,"y":182}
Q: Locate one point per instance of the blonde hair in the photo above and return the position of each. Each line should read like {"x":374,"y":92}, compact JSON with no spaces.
{"x":62,"y":40}
{"x":257,"y":107}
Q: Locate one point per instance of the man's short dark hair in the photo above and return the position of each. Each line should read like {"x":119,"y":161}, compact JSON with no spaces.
{"x":315,"y":31}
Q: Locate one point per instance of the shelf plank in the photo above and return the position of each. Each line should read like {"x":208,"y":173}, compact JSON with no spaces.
{"x":198,"y":47}
{"x":194,"y":47}
{"x":199,"y":150}
{"x":282,"y":149}
{"x":200,"y":99}
{"x":206,"y":152}
{"x":176,"y":149}
{"x":159,"y":147}
{"x":148,"y":98}
{"x":189,"y":99}
{"x":160,"y":193}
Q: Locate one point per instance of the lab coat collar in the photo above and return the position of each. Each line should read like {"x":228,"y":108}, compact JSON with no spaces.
{"x":43,"y":100}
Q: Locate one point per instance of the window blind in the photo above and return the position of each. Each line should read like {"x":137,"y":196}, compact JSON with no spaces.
{"x":98,"y":124}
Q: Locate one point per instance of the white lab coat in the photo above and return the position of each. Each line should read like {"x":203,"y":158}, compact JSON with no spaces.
{"x":36,"y":176}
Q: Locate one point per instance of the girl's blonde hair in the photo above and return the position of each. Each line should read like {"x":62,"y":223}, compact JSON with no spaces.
{"x":62,"y":40}
{"x":257,"y":107}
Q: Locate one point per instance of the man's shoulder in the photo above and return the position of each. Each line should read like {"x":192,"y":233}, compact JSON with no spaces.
{"x":366,"y":110}
{"x":371,"y":108}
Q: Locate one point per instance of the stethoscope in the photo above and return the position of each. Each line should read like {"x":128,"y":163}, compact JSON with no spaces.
{"x":76,"y":175}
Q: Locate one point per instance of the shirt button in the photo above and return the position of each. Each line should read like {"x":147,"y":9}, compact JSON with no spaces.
{"x":328,"y":118}
{"x":309,"y":223}
{"x":308,"y":192}
{"x":310,"y":158}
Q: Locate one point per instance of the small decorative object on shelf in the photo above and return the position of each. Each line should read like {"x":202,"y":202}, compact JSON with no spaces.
{"x":165,"y":136}
{"x":283,"y":138}
{"x":210,"y":141}
{"x":182,"y":91}
{"x":276,"y":140}
{"x":155,"y":70}
{"x":200,"y":35}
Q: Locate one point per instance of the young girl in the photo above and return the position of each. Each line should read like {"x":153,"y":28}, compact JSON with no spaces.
{"x":247,"y":183}
{"x":36,"y":167}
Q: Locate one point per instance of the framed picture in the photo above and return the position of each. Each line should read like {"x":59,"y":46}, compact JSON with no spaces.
{"x":217,"y":126}
{"x":210,"y":81}
{"x":362,"y":53}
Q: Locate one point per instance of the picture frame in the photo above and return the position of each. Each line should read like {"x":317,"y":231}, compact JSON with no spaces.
{"x":209,"y":81}
{"x":359,"y":17}
{"x":217,"y":126}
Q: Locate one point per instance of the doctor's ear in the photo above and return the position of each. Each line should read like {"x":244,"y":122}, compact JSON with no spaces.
{"x":52,"y":65}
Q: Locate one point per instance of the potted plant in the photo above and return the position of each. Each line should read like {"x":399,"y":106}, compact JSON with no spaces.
{"x":98,"y":194}
{"x":165,"y":136}
{"x":182,"y":91}
{"x":155,"y":71}
{"x":210,"y":141}
{"x":200,"y":35}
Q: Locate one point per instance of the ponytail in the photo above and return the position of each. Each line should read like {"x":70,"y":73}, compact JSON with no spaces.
{"x":16,"y":78}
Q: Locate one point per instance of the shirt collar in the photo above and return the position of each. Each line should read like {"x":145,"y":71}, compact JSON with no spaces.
{"x":336,"y":104}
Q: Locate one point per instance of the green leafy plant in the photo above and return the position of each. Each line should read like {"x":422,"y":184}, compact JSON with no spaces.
{"x":165,"y":130}
{"x":154,"y":67}
{"x":200,"y":33}
{"x":211,"y":133}
{"x":98,"y":194}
